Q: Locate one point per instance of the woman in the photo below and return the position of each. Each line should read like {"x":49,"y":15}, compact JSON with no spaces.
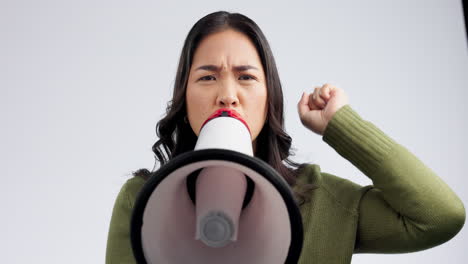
{"x":226,"y":62}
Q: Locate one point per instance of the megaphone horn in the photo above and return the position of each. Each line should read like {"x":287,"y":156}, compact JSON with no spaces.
{"x":217,"y":204}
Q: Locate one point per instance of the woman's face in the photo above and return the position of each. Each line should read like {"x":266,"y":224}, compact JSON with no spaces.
{"x":227,"y":72}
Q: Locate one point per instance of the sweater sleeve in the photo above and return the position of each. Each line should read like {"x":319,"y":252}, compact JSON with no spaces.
{"x":119,"y":249}
{"x":408,"y":207}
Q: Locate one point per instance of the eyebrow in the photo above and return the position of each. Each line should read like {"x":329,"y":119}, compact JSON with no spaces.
{"x":215,"y":68}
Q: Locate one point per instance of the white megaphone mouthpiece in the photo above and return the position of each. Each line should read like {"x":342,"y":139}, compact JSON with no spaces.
{"x":217,"y":204}
{"x":225,"y":129}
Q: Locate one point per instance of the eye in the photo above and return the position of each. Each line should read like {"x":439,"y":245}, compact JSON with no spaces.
{"x":246,"y":78}
{"x":207,"y":78}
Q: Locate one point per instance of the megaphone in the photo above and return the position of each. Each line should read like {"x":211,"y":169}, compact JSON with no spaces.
{"x":217,"y":204}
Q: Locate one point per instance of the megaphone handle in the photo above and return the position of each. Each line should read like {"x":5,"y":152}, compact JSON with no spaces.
{"x":220,"y":194}
{"x":192,"y":181}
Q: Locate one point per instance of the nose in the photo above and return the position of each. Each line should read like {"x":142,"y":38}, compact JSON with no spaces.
{"x":227,"y":96}
{"x":228,"y":101}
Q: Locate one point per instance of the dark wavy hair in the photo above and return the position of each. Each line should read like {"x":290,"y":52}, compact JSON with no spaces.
{"x":176,"y":136}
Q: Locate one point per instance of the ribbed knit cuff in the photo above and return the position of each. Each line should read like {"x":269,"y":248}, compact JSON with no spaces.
{"x":357,"y":140}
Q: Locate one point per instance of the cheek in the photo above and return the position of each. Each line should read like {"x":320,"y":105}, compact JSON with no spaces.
{"x":257,"y":112}
{"x":197,"y":109}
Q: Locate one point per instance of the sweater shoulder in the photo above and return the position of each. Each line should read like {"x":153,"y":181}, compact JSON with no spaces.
{"x":131,"y":188}
{"x":343,"y":192}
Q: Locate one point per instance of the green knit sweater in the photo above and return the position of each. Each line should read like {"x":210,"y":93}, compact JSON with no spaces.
{"x":408,"y":207}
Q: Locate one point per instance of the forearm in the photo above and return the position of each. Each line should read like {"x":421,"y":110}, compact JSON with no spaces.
{"x":424,"y":207}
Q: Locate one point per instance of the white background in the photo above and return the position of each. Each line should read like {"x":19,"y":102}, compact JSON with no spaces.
{"x":83,"y":84}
